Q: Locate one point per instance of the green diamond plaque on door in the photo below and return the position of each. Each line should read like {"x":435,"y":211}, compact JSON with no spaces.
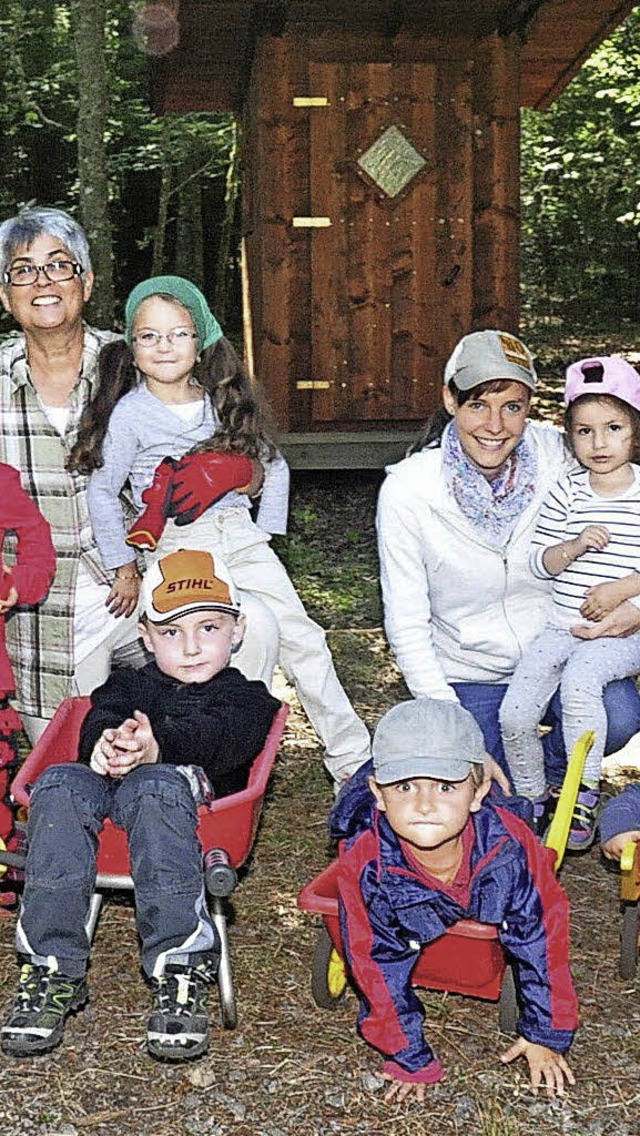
{"x":392,"y":162}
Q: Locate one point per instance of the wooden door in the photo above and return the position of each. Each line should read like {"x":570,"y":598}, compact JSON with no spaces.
{"x":391,"y":273}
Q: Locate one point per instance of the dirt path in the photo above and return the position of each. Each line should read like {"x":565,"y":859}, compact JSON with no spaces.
{"x":291,"y":1069}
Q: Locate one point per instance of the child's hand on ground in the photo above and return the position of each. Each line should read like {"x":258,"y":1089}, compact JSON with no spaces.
{"x":603,"y":598}
{"x":123,"y":597}
{"x":132,"y":744}
{"x":545,"y":1065}
{"x":592,"y":538}
{"x":401,"y":1090}
{"x":613,"y":848}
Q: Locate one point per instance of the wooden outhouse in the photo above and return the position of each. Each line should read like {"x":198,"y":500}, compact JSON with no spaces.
{"x":380,"y":188}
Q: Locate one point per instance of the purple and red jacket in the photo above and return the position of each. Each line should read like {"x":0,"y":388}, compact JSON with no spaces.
{"x":621,"y":813}
{"x":388,"y":911}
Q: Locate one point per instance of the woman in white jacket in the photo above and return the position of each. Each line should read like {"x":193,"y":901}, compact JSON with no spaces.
{"x":455,"y":521}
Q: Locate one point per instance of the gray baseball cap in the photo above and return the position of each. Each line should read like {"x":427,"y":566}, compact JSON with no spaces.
{"x":426,"y":737}
{"x":485,"y":356}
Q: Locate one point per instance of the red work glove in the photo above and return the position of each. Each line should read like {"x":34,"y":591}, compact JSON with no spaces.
{"x":201,"y":479}
{"x":149,"y":527}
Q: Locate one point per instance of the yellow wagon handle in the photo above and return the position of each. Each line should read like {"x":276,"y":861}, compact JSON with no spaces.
{"x":630,"y":873}
{"x":560,"y":826}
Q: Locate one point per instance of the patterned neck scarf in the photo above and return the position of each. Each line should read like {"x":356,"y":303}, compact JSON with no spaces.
{"x":492,"y":507}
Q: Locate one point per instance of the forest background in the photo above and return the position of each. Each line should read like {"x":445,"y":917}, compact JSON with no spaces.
{"x":162,"y":194}
{"x":76,"y":130}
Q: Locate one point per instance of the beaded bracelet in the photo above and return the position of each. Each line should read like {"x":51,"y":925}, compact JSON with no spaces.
{"x":133,"y":576}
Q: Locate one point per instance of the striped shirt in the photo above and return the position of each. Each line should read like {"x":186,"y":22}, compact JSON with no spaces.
{"x":567,"y":509}
{"x":40,"y":639}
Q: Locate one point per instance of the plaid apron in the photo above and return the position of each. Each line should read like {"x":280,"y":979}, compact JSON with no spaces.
{"x":40,"y":637}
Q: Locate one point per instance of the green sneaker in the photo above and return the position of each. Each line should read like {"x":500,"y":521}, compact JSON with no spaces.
{"x":178,"y":1026}
{"x":44,"y":1000}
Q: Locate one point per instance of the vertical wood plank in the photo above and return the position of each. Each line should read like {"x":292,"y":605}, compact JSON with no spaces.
{"x":328,"y":247}
{"x":496,"y":184}
{"x":453,"y":272}
{"x":278,"y":263}
{"x":369,"y":253}
{"x":412,"y":224}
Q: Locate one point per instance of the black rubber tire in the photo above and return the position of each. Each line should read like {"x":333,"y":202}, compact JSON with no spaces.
{"x":628,"y":941}
{"x":322,"y":994}
{"x":508,"y":1009}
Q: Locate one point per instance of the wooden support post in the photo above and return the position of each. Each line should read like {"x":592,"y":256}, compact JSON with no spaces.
{"x":496,"y":183}
{"x":275,"y":189}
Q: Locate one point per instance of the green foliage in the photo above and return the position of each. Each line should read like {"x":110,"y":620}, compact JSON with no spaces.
{"x":581,"y":189}
{"x":38,"y":142}
{"x":330,"y":556}
{"x":580,"y":160}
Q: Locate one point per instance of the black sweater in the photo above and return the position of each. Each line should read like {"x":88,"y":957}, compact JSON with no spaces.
{"x":220,"y":725}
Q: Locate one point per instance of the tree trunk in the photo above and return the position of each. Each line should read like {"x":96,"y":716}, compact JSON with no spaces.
{"x":93,"y":94}
{"x":189,"y":259}
{"x":226,"y":231}
{"x":157,"y":266}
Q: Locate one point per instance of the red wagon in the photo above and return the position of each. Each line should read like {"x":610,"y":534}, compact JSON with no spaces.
{"x":468,"y":958}
{"x":226,"y":828}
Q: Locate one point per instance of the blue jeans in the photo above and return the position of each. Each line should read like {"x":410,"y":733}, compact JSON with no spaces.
{"x":483,"y":700}
{"x":153,"y":803}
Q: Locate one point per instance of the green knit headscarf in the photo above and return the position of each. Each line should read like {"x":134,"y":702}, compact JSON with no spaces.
{"x":186,"y":293}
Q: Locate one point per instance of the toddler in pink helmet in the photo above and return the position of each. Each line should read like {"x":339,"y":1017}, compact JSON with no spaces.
{"x":587,"y":540}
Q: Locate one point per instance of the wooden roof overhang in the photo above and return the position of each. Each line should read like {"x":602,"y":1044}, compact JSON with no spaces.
{"x":209,"y":68}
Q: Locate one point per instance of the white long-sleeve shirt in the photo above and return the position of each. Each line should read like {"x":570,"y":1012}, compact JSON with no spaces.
{"x":456,"y":608}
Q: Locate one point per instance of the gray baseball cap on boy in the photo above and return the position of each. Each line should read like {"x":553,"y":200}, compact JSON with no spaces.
{"x":426,"y":737}
{"x":485,"y":356}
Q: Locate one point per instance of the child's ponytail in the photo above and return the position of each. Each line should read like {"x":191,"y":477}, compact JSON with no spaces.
{"x":116,"y":377}
{"x":244,"y":418}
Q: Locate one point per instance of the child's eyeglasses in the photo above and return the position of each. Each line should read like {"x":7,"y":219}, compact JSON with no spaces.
{"x":179,"y":337}
{"x":56,"y":271}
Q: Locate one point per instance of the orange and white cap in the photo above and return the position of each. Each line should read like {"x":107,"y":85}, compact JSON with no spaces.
{"x":185,"y":581}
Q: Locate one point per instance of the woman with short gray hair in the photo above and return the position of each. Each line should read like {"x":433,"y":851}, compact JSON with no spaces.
{"x":47,"y":377}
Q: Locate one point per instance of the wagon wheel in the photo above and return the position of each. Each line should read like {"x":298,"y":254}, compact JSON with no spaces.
{"x":508,"y":1006}
{"x":228,"y":1010}
{"x":628,"y":941}
{"x":328,"y":977}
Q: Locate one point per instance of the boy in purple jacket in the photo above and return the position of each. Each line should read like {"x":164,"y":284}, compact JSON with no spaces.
{"x":620,"y":821}
{"x":421,"y":849}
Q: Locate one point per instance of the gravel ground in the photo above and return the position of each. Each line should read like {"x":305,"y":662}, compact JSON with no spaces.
{"x":290,"y":1068}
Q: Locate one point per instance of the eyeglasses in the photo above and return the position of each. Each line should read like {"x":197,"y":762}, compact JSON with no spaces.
{"x":179,"y":337}
{"x":56,"y":271}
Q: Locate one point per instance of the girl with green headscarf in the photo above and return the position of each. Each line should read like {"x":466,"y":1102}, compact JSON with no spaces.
{"x":177,"y":418}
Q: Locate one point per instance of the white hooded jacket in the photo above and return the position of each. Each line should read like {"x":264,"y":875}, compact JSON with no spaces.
{"x":456,"y":608}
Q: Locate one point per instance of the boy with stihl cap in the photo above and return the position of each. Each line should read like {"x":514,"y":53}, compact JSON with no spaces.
{"x":155,"y":744}
{"x":421,"y":849}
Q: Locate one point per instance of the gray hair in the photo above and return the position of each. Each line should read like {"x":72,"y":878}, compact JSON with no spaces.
{"x":30,"y":224}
